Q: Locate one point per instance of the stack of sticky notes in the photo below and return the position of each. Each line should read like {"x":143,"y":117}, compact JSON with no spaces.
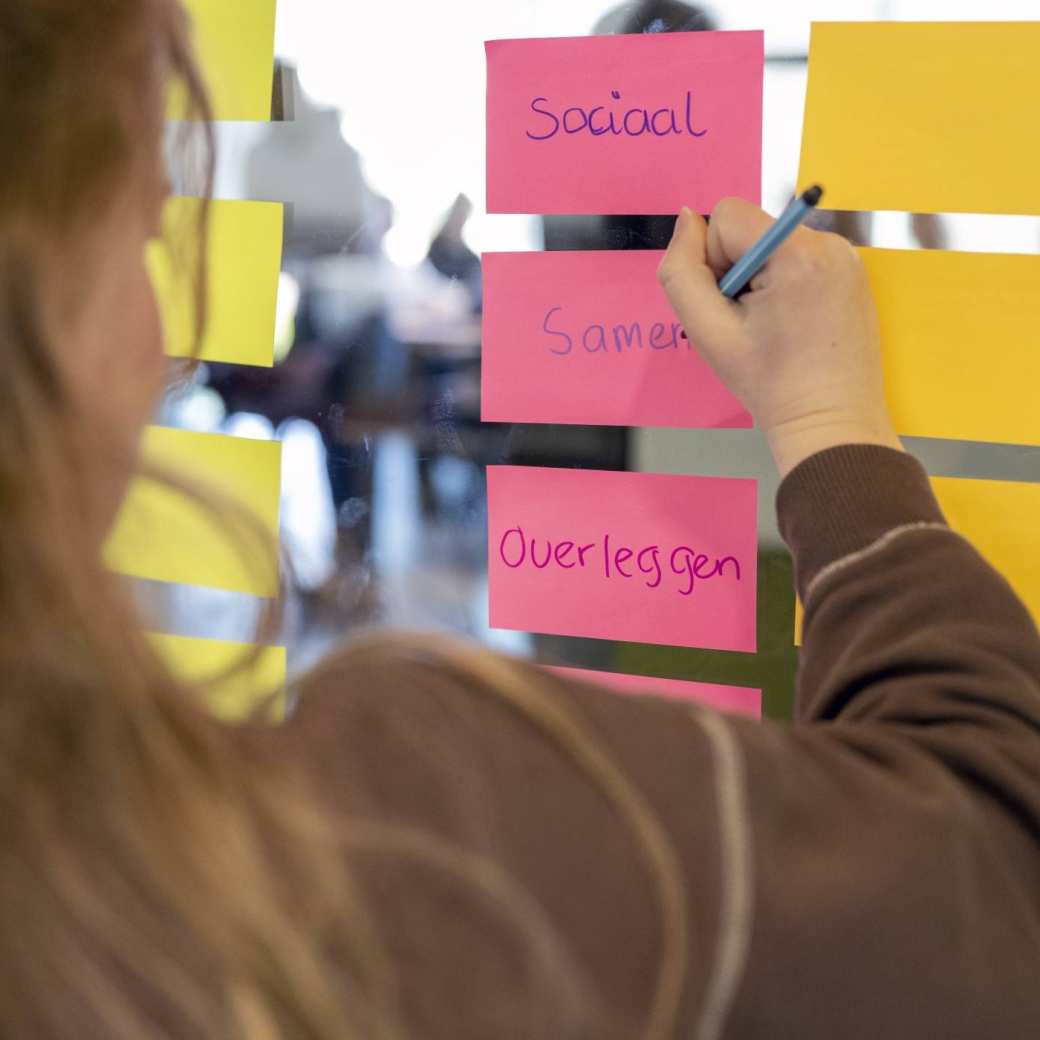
{"x":616,"y":125}
{"x":163,"y":533}
{"x":942,"y":118}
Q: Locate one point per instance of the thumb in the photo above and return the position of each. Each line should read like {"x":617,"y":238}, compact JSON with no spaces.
{"x":691,"y":287}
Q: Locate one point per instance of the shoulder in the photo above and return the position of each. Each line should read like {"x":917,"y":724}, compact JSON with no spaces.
{"x":602,"y":807}
{"x":427,"y":705}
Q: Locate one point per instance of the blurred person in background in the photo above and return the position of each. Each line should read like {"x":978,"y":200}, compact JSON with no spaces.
{"x":451,"y":256}
{"x":347,"y":370}
{"x":306,"y":163}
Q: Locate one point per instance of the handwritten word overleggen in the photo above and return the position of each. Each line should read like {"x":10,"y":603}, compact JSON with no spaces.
{"x":678,"y":568}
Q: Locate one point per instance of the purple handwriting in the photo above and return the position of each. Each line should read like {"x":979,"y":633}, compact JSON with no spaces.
{"x":608,"y":339}
{"x":601,"y":119}
{"x":615,"y":561}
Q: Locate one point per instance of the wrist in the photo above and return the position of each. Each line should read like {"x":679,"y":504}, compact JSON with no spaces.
{"x":794,"y":441}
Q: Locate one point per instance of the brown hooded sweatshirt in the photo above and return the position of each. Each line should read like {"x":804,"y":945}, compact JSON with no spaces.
{"x":872,"y":871}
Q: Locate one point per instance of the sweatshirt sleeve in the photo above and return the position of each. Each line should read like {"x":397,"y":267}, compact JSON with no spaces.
{"x":905,"y":623}
{"x":895,"y":827}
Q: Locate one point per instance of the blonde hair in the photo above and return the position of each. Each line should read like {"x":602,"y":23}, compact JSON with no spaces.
{"x":155,"y":878}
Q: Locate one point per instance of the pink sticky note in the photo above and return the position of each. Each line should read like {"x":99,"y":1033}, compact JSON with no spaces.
{"x":624,"y":124}
{"x":639,"y":557}
{"x":589,"y":337}
{"x":738,"y":700}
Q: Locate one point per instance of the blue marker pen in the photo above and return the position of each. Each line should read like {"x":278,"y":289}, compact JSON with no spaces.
{"x":755,"y":258}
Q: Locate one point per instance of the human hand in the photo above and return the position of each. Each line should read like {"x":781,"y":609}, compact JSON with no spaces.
{"x":801,"y":348}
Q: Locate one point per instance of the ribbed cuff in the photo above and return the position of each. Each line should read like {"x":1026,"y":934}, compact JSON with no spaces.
{"x":843,"y":499}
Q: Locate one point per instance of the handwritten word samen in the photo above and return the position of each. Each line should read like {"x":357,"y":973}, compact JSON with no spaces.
{"x":597,"y":338}
{"x":588,"y":337}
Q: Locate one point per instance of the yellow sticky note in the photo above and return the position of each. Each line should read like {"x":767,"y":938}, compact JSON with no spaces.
{"x":233,"y":697}
{"x":960,"y":334}
{"x":1001,"y":519}
{"x":244,"y":258}
{"x":928,"y":117}
{"x":162,"y":535}
{"x":234,"y":43}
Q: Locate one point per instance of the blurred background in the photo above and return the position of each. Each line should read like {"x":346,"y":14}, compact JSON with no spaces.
{"x":377,"y":148}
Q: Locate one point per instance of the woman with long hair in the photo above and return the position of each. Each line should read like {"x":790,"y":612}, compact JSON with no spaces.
{"x":442,"y":842}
